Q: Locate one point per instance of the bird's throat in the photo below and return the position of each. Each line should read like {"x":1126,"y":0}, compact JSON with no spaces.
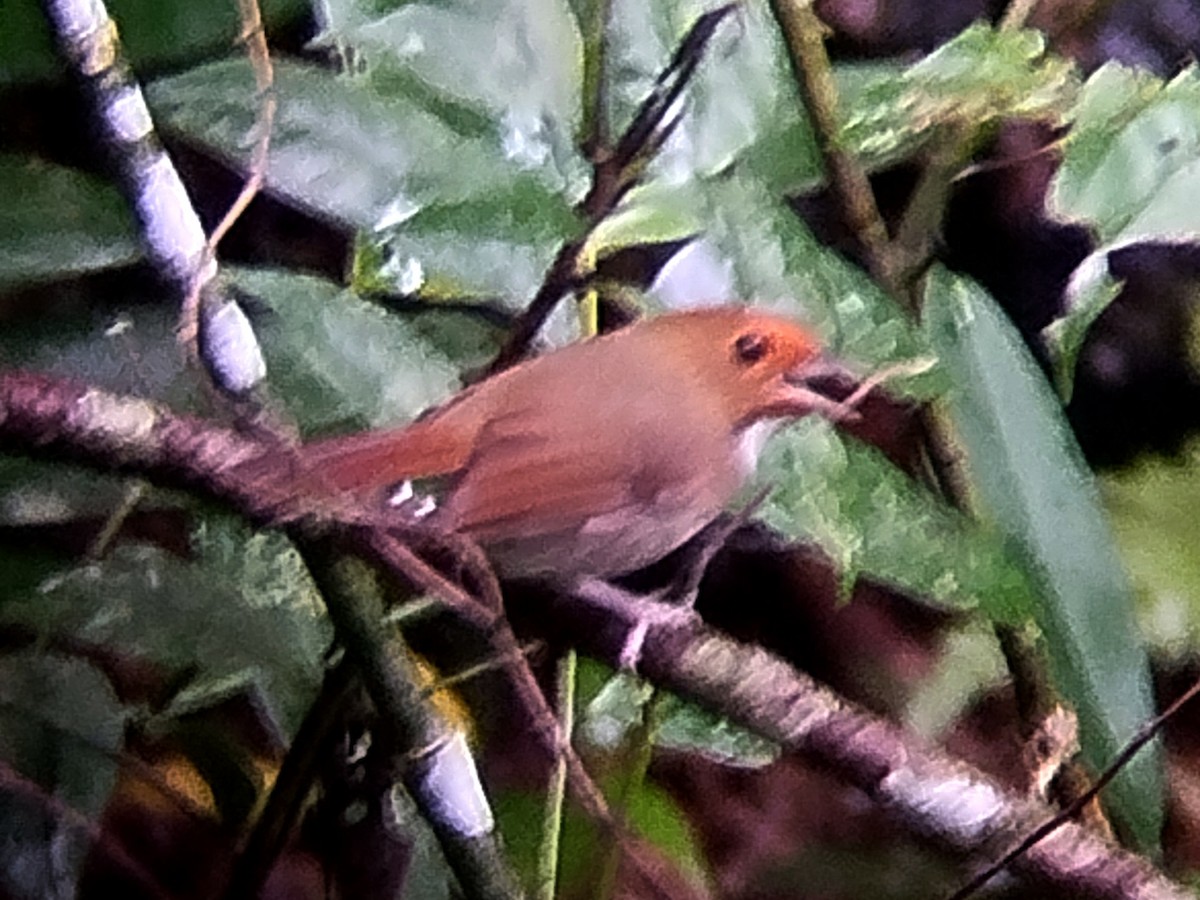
{"x":751,"y":441}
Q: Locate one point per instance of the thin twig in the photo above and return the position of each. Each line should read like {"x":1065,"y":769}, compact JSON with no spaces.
{"x":1017,"y":14}
{"x":613,"y":174}
{"x":594,"y":135}
{"x":255,"y":39}
{"x":1145,"y":735}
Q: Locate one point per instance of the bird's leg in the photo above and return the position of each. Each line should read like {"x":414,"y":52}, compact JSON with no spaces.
{"x":684,"y":588}
{"x":674,"y":603}
{"x":639,"y":610}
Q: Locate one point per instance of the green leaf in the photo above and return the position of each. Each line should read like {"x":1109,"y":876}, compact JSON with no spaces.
{"x":338,"y":360}
{"x":615,"y":710}
{"x":56,"y":223}
{"x":452,"y":212}
{"x":1088,"y":294}
{"x":124,"y":345}
{"x":154,"y":34}
{"x":1033,"y":484}
{"x":875,"y":521}
{"x":980,"y":77}
{"x":1130,"y":166}
{"x":338,"y":148}
{"x":33,"y":492}
{"x":656,"y":816}
{"x":619,"y":707}
{"x":517,"y":62}
{"x":1130,"y":172}
{"x":505,"y":76}
{"x":689,"y":728}
{"x":242,"y":616}
{"x":497,"y":247}
{"x":62,"y":725}
{"x":651,"y":812}
{"x":775,"y":261}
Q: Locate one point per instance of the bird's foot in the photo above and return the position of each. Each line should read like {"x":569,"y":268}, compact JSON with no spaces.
{"x":641,"y":611}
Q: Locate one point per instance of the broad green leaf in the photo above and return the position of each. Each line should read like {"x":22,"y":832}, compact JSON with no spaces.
{"x":242,"y":616}
{"x":656,"y":816}
{"x":775,"y":261}
{"x":876,"y":522}
{"x":653,"y":213}
{"x":339,"y":147}
{"x":33,"y":492}
{"x":620,"y":706}
{"x":735,"y":96}
{"x":1091,"y":289}
{"x":506,"y":76}
{"x":741,"y":106}
{"x":689,"y":728}
{"x":337,"y":360}
{"x":978,"y":78}
{"x":128,"y":347}
{"x":62,"y":725}
{"x":56,"y":223}
{"x":1032,"y":483}
{"x":154,"y":34}
{"x":970,"y":666}
{"x":497,"y":247}
{"x":334,"y":358}
{"x":615,"y":710}
{"x":451,"y":213}
{"x":651,"y":813}
{"x":1130,"y":166}
{"x":1130,"y":172}
{"x":517,"y":62}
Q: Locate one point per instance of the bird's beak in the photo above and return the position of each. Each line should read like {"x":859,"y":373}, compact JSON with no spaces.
{"x":827,"y":387}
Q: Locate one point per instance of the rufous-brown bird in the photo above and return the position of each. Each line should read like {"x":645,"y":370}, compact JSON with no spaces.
{"x":600,"y":458}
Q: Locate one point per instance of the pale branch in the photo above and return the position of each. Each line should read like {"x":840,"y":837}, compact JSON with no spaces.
{"x":931,"y":794}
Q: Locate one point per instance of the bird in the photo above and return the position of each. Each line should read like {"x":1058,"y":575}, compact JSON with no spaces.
{"x":599,"y":458}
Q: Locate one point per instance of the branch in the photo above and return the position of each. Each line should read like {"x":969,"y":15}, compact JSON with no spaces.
{"x":169,"y":228}
{"x":100,"y":429}
{"x":613,"y":174}
{"x":804,"y":35}
{"x":933,"y":795}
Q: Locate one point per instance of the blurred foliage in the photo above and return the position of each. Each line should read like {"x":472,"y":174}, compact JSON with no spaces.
{"x":1129,"y":173}
{"x":445,"y":140}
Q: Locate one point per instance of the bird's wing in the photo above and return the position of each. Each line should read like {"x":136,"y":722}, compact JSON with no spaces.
{"x":523,"y":480}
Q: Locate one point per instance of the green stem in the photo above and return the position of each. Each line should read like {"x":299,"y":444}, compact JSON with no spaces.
{"x":594,"y":136}
{"x":804,"y":34}
{"x":552,"y":820}
{"x":639,"y":752}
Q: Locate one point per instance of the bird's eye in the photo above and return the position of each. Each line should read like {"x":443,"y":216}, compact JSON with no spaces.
{"x":749,"y":348}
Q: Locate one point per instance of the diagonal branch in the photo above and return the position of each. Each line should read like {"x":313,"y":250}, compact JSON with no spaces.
{"x":932,"y":795}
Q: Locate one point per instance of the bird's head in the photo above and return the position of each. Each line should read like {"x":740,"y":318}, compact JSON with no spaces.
{"x":760,"y":366}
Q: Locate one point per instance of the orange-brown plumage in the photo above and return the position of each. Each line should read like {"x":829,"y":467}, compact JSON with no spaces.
{"x":599,"y":458}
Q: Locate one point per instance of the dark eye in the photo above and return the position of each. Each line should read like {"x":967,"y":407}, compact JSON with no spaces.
{"x":751,"y":347}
